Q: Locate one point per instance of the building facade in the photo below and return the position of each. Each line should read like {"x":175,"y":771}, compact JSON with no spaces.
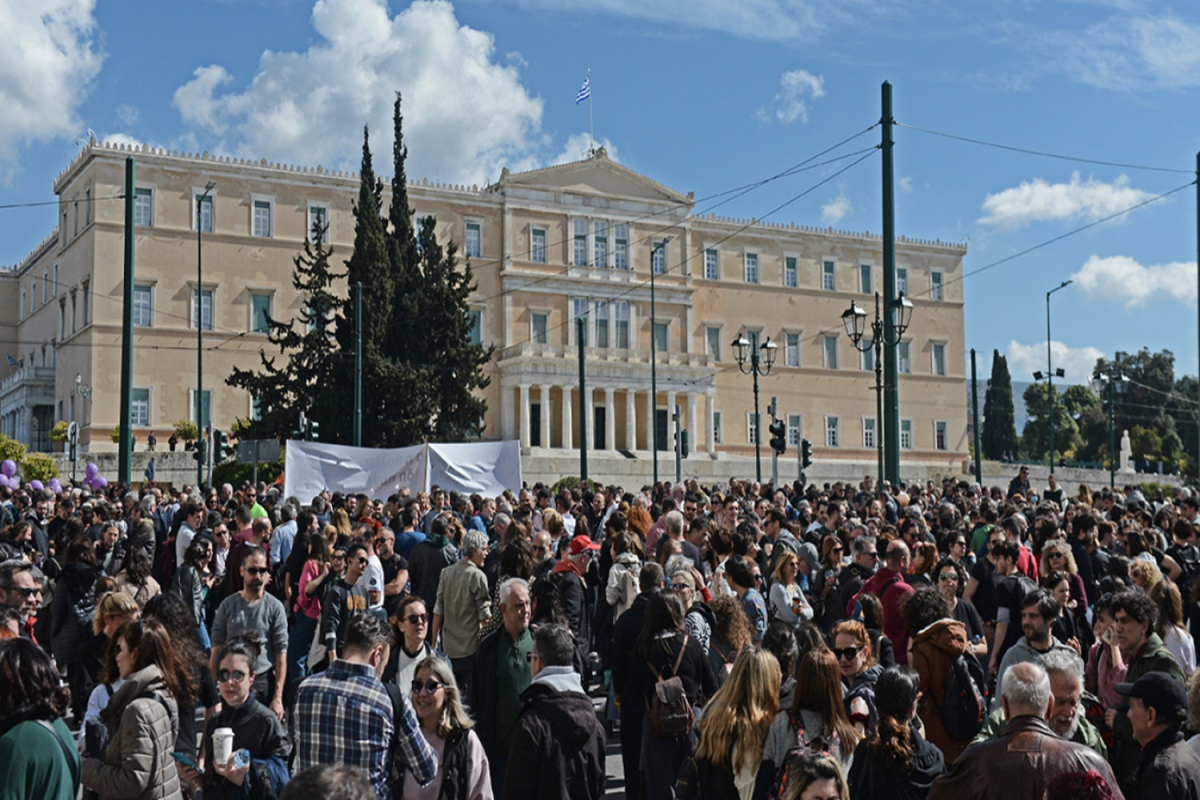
{"x":590,"y":240}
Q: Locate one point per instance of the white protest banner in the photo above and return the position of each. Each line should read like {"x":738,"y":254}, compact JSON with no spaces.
{"x":486,"y":468}
{"x":312,"y":467}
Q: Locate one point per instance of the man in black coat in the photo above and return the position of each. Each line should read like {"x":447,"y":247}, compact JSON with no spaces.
{"x":626,"y":631}
{"x":557,"y":749}
{"x":1158,"y":708}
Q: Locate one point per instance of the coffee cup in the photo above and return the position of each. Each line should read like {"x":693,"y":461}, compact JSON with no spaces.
{"x":222,"y":745}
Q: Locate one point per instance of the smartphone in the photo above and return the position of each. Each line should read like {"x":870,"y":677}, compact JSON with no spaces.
{"x":1106,"y":637}
{"x":186,"y":760}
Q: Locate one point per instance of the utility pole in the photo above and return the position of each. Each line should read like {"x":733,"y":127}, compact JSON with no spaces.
{"x":891,"y":408}
{"x":581,"y":341}
{"x":125,"y":463}
{"x":678,"y":446}
{"x":358,"y":364}
{"x":1050,"y":370}
{"x":1198,"y":278}
{"x":975,"y":420}
{"x":654,"y":357}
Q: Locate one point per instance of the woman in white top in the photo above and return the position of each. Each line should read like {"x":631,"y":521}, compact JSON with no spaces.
{"x":447,"y":727}
{"x":1171,"y":627}
{"x":786,"y":598}
{"x":411,"y":624}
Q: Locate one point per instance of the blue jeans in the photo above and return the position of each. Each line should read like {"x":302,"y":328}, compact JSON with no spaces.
{"x":661,"y":761}
{"x":299,"y":643}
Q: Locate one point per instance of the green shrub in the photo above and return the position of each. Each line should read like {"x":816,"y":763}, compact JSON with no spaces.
{"x":39,"y":467}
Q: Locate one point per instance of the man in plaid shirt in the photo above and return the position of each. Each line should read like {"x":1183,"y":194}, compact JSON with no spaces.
{"x":344,"y":714}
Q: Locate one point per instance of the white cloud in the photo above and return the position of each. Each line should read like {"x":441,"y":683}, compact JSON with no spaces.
{"x":1131,"y":52}
{"x":796,"y":90}
{"x":906,"y":184}
{"x":836,"y":209}
{"x":128,"y":115}
{"x":1123,"y":278}
{"x":576,"y":149}
{"x":1077,"y":362}
{"x":1039,"y":201}
{"x":465,"y":115}
{"x":46,"y":64}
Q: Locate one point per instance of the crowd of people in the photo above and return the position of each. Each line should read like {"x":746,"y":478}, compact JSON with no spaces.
{"x":741,"y":641}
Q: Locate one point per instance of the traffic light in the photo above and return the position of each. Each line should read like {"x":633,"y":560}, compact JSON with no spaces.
{"x":314,"y":430}
{"x":683,"y":444}
{"x":778,"y":436}
{"x":805,"y":454}
{"x":302,"y":431}
{"x":200,"y":454}
{"x":220,"y":446}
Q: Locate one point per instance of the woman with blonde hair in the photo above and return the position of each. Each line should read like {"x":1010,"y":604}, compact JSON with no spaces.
{"x":786,"y":598}
{"x":447,"y":727}
{"x":732,"y":731}
{"x":817,"y":718}
{"x":341,"y":523}
{"x":1057,"y":557}
{"x":1145,"y":574}
{"x":816,"y":776}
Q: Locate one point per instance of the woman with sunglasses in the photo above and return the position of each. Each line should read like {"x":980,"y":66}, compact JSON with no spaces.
{"x":314,"y":575}
{"x":256,"y":730}
{"x":856,"y":662}
{"x":950,"y":582}
{"x":411,"y":625}
{"x":817,"y":718}
{"x":1058,"y":557}
{"x":462,"y":763}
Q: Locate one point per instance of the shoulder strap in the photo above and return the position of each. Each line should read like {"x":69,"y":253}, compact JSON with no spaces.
{"x":678,"y":660}
{"x":66,"y":751}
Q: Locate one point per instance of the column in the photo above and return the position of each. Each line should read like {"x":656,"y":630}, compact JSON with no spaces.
{"x":545,"y":415}
{"x":630,"y":420}
{"x":610,"y":419}
{"x":590,"y":417}
{"x":650,"y":406}
{"x":524,"y":419}
{"x":708,"y":423}
{"x":508,"y":320}
{"x":568,"y":436}
{"x":689,"y":415}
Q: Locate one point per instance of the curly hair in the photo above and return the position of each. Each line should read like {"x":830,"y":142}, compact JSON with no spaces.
{"x":896,"y":693}
{"x":33,"y":687}
{"x":1137,"y":605}
{"x":922,"y":608}
{"x":1147,"y":571}
{"x":732,"y":626}
{"x":1079,"y":785}
{"x":1054,"y":548}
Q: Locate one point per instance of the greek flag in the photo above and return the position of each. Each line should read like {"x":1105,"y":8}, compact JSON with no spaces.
{"x":585,"y":91}
{"x":12,"y":362}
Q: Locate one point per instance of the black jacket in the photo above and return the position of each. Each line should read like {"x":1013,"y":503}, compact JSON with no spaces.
{"x":695,"y":671}
{"x":452,"y":768}
{"x":1169,"y":769}
{"x":557,"y":748}
{"x":425,"y":565}
{"x":484,"y":689}
{"x":626,"y":631}
{"x":870,"y":779}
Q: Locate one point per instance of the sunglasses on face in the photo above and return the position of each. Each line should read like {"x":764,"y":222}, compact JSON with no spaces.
{"x":417,"y":619}
{"x":339,"y":556}
{"x":847,"y":653}
{"x":426,"y":687}
{"x":948,"y":577}
{"x":680,"y":587}
{"x":361,"y":561}
{"x":256,"y":570}
{"x":237,"y":676}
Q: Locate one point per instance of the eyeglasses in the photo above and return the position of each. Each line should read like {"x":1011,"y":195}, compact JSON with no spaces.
{"x":757,"y":578}
{"x":361,"y":561}
{"x":339,"y":556}
{"x":417,"y":619}
{"x":948,"y":577}
{"x":426,"y":687}
{"x":25,"y":592}
{"x":237,"y":676}
{"x":848,"y":653}
{"x":680,"y":587}
{"x":256,"y":570}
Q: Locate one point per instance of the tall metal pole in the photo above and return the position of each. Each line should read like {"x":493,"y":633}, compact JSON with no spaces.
{"x":1112,"y":434}
{"x":1198,"y":279}
{"x":757,"y":420}
{"x":125,"y":464}
{"x":1050,"y":370}
{"x":580,"y":332}
{"x":876,"y":330}
{"x":653,"y":376}
{"x":891,"y":408}
{"x":358,"y":364}
{"x":200,"y":329}
{"x":975,"y":420}
{"x":678,"y":448}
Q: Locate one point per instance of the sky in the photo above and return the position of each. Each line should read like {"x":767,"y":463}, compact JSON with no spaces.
{"x":703,"y":96}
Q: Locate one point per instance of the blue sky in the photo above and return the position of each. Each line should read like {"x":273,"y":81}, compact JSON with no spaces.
{"x":703,"y":96}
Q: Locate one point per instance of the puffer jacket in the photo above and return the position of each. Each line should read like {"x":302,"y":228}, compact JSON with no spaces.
{"x":143,"y":721}
{"x":76,"y":586}
{"x":932,"y":650}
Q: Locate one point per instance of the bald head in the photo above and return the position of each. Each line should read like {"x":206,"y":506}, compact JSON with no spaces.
{"x":1025,"y":690}
{"x":897,"y":555}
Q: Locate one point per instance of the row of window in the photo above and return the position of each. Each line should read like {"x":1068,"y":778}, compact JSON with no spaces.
{"x":790,"y":351}
{"x":262,"y":214}
{"x":864,"y":277}
{"x":833,"y":431}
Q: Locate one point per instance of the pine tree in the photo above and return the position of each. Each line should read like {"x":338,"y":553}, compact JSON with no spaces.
{"x":283,"y":391}
{"x":999,"y":435}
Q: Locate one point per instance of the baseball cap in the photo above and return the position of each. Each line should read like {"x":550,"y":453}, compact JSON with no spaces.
{"x":1160,"y":691}
{"x":581,"y":543}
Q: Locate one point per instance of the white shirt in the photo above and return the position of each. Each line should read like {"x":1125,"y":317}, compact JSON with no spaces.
{"x":372,"y":580}
{"x":182,"y":540}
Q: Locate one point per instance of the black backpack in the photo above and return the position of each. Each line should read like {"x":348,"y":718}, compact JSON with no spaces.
{"x":1188,"y":559}
{"x":963,"y":709}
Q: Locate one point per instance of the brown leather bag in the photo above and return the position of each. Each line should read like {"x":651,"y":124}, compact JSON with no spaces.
{"x":669,"y":710}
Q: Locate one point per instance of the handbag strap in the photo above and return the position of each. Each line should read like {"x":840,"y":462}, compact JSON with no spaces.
{"x":66,"y":750}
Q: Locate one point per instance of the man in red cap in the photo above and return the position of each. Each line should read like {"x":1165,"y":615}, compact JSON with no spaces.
{"x":570,"y":577}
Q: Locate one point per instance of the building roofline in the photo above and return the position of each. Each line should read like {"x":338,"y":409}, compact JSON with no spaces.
{"x":754,"y":225}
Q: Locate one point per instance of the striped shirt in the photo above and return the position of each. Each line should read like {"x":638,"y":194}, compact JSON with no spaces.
{"x":344,"y":716}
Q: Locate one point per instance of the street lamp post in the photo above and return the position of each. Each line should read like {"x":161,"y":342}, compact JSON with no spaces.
{"x":764,"y":354}
{"x":1050,"y":370}
{"x":200,"y":199}
{"x":654,"y":247}
{"x":1113,"y":381}
{"x":854,"y":319}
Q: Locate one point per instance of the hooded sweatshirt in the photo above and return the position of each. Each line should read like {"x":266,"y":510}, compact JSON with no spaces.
{"x":933,"y":648}
{"x":557,"y":748}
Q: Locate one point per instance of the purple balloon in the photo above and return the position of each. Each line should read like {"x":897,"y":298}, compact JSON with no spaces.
{"x":92,"y":470}
{"x":99,"y":482}
{"x":13,"y":483}
{"x":37,"y":486}
{"x":8,"y":468}
{"x":55,"y":485}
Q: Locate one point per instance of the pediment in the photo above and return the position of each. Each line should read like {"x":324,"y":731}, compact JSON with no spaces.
{"x":598,"y":176}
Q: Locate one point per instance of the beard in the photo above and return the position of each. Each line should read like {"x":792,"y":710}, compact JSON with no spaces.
{"x":1072,"y":729}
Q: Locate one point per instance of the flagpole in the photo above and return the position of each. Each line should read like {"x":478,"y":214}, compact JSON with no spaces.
{"x":591,"y":126}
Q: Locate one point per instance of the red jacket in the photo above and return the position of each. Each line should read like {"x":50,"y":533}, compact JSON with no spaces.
{"x":890,"y":587}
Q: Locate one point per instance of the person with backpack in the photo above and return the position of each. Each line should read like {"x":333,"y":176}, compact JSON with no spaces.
{"x":941,"y":654}
{"x":889,"y":586}
{"x":72,"y":612}
{"x":816,"y":721}
{"x":1011,"y":589}
{"x":896,"y":762}
{"x":671,"y":678}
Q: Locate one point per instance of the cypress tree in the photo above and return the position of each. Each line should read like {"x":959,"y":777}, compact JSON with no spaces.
{"x":999,"y":435}
{"x":284,"y":390}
